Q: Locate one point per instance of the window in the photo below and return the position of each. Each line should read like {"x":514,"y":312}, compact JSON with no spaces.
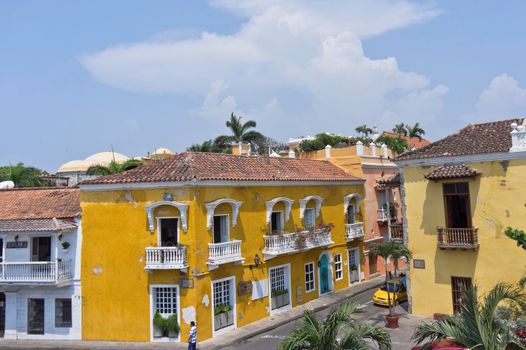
{"x":221,"y":234}
{"x":41,"y":249}
{"x":457,"y":207}
{"x":35,"y":316}
{"x":168,"y":231}
{"x":165,"y":300}
{"x":458,"y":285}
{"x":279,"y":288}
{"x":338,"y":266}
{"x":277,"y":279}
{"x":308,"y":218}
{"x":63,"y":313}
{"x":309,"y":277}
{"x":351,"y":215}
{"x":276,"y":221}
{"x":223,"y":294}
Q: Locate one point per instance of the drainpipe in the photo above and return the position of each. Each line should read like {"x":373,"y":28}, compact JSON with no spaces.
{"x":388,"y":213}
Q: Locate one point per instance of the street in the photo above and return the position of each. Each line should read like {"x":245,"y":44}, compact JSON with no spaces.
{"x":371,"y":313}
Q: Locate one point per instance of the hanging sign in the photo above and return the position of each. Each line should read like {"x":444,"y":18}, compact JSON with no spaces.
{"x":244,"y":287}
{"x":187,"y":283}
{"x":16,"y":244}
{"x":419,"y":263}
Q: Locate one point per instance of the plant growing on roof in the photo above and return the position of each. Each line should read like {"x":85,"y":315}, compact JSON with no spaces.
{"x":415,"y":131}
{"x":113,"y":167}
{"x":240,"y":132}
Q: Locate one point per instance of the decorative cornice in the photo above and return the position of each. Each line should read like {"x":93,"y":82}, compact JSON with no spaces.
{"x":304,"y":201}
{"x":347,"y":199}
{"x":211,"y":207}
{"x":270,"y":204}
{"x":486,"y":157}
{"x":183,"y":209}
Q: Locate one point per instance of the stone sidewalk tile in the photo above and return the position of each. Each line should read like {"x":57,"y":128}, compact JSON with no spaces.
{"x":224,"y":340}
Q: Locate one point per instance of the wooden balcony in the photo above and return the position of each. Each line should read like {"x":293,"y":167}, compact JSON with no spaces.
{"x":222,"y":253}
{"x":36,"y":272}
{"x":354,"y":231}
{"x":397,"y":232}
{"x":166,"y":258}
{"x":457,"y":238}
{"x":288,"y":243}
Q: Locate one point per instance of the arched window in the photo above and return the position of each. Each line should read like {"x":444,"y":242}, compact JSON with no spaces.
{"x":211,"y":207}
{"x":303,"y":204}
{"x":183,"y":208}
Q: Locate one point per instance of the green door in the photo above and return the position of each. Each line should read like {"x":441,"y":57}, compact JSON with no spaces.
{"x":324,"y":275}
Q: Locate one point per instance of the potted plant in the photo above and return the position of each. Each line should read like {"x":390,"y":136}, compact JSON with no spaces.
{"x":159,"y":325}
{"x":65,"y":246}
{"x":354,"y":273}
{"x":223,"y":316}
{"x":279,"y":298}
{"x":301,"y":240}
{"x":172,"y":326}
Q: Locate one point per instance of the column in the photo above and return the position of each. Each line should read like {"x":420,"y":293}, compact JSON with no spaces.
{"x":10,"y":315}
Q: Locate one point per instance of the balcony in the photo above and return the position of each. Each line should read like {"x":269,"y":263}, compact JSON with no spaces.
{"x":354,"y":231}
{"x":36,"y":272}
{"x":222,"y":253}
{"x":288,"y":243}
{"x":397,"y":232}
{"x":166,"y":258}
{"x":457,"y":238}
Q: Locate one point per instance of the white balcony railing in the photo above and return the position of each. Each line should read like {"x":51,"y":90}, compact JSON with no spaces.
{"x":36,"y":271}
{"x":296,"y":241}
{"x":354,"y":231}
{"x":222,"y":253}
{"x":163,"y":258}
{"x":382,"y":215}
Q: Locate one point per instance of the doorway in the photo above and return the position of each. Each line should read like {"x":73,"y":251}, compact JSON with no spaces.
{"x":35,"y":316}
{"x":41,"y":249}
{"x":354,"y":265}
{"x":168,"y":228}
{"x":325,"y":273}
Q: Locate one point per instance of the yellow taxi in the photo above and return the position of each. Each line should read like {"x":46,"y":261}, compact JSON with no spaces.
{"x":395,"y":290}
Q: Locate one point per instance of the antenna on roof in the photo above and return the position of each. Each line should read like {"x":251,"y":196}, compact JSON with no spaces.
{"x":112,"y":153}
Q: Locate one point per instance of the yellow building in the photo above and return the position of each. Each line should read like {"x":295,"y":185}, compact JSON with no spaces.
{"x":218,"y":239}
{"x":460,"y":193}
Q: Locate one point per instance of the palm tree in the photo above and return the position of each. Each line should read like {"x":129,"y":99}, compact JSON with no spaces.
{"x":113,"y":167}
{"x":22,"y":176}
{"x":476,"y":326}
{"x":206,"y":146}
{"x":363,"y":129}
{"x":390,"y":249}
{"x":400,"y":129}
{"x":400,"y":251}
{"x":415,"y":131}
{"x":240,"y":132}
{"x":338,"y":331}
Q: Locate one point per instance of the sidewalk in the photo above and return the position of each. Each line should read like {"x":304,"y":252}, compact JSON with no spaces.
{"x":227,"y":339}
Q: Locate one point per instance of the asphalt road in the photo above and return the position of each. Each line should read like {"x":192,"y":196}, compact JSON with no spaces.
{"x":371,"y":313}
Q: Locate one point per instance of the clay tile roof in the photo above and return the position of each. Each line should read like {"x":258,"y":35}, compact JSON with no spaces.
{"x":492,"y":137}
{"x":203,"y":166}
{"x":39,"y":203}
{"x":452,"y":172}
{"x":36,"y":225}
{"x":392,"y":180}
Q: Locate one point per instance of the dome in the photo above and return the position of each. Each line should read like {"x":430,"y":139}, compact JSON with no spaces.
{"x":162,"y":150}
{"x":73,"y":165}
{"x":104,"y":158}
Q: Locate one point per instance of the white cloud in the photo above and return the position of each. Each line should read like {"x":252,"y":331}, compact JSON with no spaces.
{"x":502,"y":99}
{"x":297,"y":60}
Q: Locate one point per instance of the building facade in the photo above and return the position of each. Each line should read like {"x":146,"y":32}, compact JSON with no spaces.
{"x":218,"y":239}
{"x":460,"y":194}
{"x":40,"y":236}
{"x":382,"y":205}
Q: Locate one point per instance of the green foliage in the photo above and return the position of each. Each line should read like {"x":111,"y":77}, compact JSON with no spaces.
{"x":209,"y":146}
{"x":276,"y":293}
{"x":240,"y":133}
{"x":415,"y":131}
{"x":517,"y":235}
{"x":364,"y":129}
{"x":397,"y":144}
{"x":322,"y":140}
{"x":159,"y":321}
{"x":172,"y":324}
{"x":22,"y":176}
{"x":477,"y":325}
{"x":224,"y":308}
{"x":400,"y":129}
{"x":338,"y":331}
{"x":113,"y":167}
{"x":65,"y":245}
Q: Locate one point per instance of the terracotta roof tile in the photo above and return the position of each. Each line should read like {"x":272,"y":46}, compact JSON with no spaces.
{"x":493,"y":137}
{"x":452,"y":172}
{"x":216,"y":166}
{"x":36,"y":225}
{"x":39,"y":203}
{"x":392,"y":180}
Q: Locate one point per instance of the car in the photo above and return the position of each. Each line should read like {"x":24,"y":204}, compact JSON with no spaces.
{"x":397,"y":292}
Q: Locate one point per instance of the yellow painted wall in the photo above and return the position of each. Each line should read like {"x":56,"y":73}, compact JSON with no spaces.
{"x":115,"y":289}
{"x":498,"y":200}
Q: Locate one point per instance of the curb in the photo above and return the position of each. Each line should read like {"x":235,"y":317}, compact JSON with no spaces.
{"x":294,"y":318}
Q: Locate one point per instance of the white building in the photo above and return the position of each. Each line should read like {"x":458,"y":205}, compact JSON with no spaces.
{"x":40,"y":240}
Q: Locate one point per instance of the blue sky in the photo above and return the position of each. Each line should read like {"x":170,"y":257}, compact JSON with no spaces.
{"x":77,"y":77}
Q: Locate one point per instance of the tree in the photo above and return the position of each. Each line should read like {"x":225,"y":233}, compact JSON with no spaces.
{"x":400,"y":129}
{"x":338,"y":331}
{"x":240,"y":132}
{"x":517,"y":235}
{"x":394,"y":250}
{"x":22,"y":176}
{"x":113,"y":167}
{"x":397,"y":144}
{"x":363,"y":129}
{"x":208,"y":146}
{"x":476,"y":326}
{"x":415,"y":131}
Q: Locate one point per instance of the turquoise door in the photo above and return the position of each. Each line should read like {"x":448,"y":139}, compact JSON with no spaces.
{"x":324,"y":275}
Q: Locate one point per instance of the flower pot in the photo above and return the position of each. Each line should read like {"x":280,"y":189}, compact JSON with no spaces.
{"x":173,"y":334}
{"x":392,"y":321}
{"x":354,"y":276}
{"x":157,"y":332}
{"x":273,"y":303}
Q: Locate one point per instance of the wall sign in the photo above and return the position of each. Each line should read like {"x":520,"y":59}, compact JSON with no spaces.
{"x":16,"y":244}
{"x":419,"y":263}
{"x":187,"y":283}
{"x":244,"y":288}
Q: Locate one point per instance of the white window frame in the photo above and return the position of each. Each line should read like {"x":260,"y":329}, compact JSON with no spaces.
{"x":282,"y":219}
{"x":227,"y":226}
{"x":159,"y":228}
{"x":3,"y":237}
{"x":287,"y":280}
{"x":152,"y":311}
{"x":233,"y":298}
{"x":309,"y":210}
{"x":313,"y":281}
{"x":338,"y":266}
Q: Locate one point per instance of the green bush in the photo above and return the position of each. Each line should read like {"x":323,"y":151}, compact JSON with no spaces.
{"x":397,"y":144}
{"x":171,"y":324}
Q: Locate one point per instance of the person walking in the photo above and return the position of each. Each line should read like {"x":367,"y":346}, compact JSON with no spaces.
{"x":192,"y":336}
